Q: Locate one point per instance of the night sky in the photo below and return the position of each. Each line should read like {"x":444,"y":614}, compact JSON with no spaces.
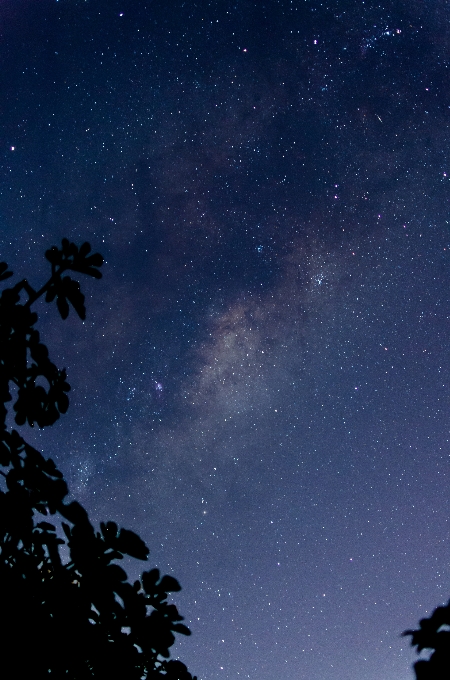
{"x":260,"y":388}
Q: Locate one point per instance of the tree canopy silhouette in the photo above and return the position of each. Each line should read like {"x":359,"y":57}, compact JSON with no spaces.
{"x":80,"y":617}
{"x":433,"y":634}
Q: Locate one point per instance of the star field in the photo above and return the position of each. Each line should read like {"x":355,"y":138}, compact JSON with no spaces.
{"x":260,"y":388}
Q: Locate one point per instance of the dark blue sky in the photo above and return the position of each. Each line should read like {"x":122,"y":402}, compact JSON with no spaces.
{"x":260,"y":389}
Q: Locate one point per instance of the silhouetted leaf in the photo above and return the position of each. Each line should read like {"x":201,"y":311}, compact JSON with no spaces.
{"x":3,"y":273}
{"x":53,"y":255}
{"x":149,"y":580}
{"x":63,"y":403}
{"x":176,"y":670}
{"x":116,"y":573}
{"x":74,"y":512}
{"x":109,"y":531}
{"x":131,"y":544}
{"x":63,"y":307}
{"x":169,"y":584}
{"x":71,"y":290}
{"x":85,"y":248}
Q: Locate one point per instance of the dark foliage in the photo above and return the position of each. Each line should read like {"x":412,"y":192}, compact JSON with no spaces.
{"x":80,"y":618}
{"x":433,"y":634}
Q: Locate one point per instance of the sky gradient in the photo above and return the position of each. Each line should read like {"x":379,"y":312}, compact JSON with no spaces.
{"x":260,"y":388}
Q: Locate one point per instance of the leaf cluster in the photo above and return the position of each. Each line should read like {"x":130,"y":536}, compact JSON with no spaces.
{"x":75,"y":617}
{"x":65,"y":289}
{"x":24,"y":361}
{"x":433,"y":634}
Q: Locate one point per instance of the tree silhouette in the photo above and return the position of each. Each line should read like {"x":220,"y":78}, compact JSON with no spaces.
{"x":434,"y":634}
{"x":78,"y":618}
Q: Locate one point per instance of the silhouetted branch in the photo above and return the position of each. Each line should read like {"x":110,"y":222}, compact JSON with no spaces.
{"x":81,"y":619}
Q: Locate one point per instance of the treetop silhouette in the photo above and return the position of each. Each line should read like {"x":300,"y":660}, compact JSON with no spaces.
{"x":433,"y":634}
{"x":78,"y":618}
